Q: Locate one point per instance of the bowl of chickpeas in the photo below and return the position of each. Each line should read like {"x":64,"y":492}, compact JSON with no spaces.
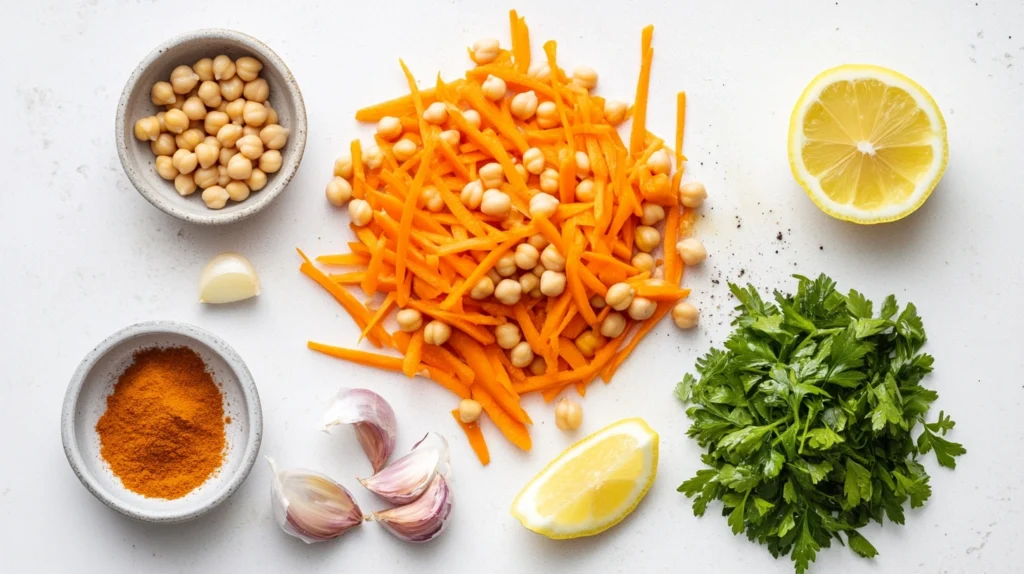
{"x":211,"y":126}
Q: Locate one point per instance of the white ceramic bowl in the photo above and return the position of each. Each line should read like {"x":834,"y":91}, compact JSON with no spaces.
{"x":86,"y":401}
{"x":137,"y":158}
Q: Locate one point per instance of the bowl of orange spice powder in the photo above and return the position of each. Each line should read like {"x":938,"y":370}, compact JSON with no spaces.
{"x":162,"y":421}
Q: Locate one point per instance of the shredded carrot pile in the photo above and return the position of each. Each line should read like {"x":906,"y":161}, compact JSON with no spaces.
{"x":431,"y":248}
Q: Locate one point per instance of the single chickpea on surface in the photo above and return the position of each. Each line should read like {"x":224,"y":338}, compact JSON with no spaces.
{"x":389,"y":127}
{"x":162,"y":94}
{"x":641,"y":308}
{"x":506,"y":265}
{"x":436,"y":333}
{"x":183,"y":79}
{"x":223,"y":68}
{"x":469,"y":411}
{"x":585,"y":77}
{"x":239,"y":167}
{"x":254,"y":114}
{"x":685,"y":315}
{"x":486,"y":50}
{"x":206,"y":177}
{"x":568,"y":414}
{"x":496,"y":203}
{"x":215,"y":197}
{"x":483,"y":289}
{"x":258,"y":180}
{"x":250,"y":146}
{"x":237,"y":190}
{"x":508,"y":291}
{"x":165,"y":167}
{"x":533,"y":160}
{"x":507,"y":335}
{"x":409,"y":320}
{"x":204,"y":69}
{"x":163,"y":145}
{"x":615,"y":111}
{"x":521,"y":355}
{"x":436,"y":113}
{"x":585,"y":191}
{"x":547,"y":115}
{"x":360,"y":212}
{"x":248,"y":68}
{"x":619,"y":296}
{"x":646,"y":238}
{"x":652,"y":213}
{"x":147,"y":129}
{"x":339,"y":191}
{"x":270,"y":161}
{"x":692,"y":251}
{"x":526,"y":256}
{"x":404,"y":149}
{"x":524,"y":105}
{"x":549,"y":181}
{"x":543,"y":205}
{"x":231,"y":89}
{"x":184,"y":184}
{"x":551,"y":259}
{"x":552,"y":283}
{"x":613,"y":325}
{"x":659,"y":162}
{"x":472,"y":194}
{"x":493,"y":88}
{"x":274,"y":136}
{"x":692,"y":194}
{"x":343,"y":166}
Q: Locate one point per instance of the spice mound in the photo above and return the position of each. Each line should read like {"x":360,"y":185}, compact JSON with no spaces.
{"x":163,"y":431}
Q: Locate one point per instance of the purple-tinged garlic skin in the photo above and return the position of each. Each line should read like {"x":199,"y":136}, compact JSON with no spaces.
{"x":406,"y":479}
{"x":373,"y":419}
{"x":421,"y":520}
{"x":310,"y":506}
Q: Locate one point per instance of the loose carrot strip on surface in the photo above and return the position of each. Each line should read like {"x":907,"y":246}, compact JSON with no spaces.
{"x":362,"y":357}
{"x":636,"y":137}
{"x":382,"y":312}
{"x":476,"y":438}
{"x":513,"y":430}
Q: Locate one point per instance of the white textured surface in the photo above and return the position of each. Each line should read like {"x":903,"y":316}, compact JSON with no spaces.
{"x":83,"y":255}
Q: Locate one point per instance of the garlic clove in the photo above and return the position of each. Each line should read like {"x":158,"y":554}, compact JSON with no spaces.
{"x":227,"y":278}
{"x":404,"y":480}
{"x":373,"y":419}
{"x":310,"y":506}
{"x":423,"y":519}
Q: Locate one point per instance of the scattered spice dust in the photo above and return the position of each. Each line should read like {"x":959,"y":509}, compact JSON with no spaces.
{"x":227,"y":420}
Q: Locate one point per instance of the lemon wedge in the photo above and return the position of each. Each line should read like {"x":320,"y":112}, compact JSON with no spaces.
{"x":867,"y":144}
{"x":593,"y":485}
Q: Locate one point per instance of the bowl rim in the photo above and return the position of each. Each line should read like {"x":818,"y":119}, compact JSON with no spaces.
{"x":249,"y":392}
{"x":283,"y":176}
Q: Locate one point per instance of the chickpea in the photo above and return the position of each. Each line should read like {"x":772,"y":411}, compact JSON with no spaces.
{"x":493,"y":88}
{"x":692,"y":251}
{"x":339,"y":191}
{"x":652,"y":213}
{"x":472,"y":194}
{"x":165,"y":167}
{"x":508,"y":291}
{"x":549,"y":181}
{"x":615,"y":111}
{"x":432,"y":200}
{"x":254,"y":114}
{"x":529,"y":282}
{"x":587,"y":343}
{"x":189,"y":139}
{"x":235,"y":109}
{"x":568,"y":415}
{"x":507,"y":335}
{"x":486,"y":50}
{"x":473,"y":118}
{"x":251,"y":131}
{"x":521,"y":355}
{"x":237,"y":190}
{"x":342,"y":166}
{"x":547,"y":115}
{"x":147,"y":129}
{"x":506,"y":265}
{"x":250,"y":146}
{"x":183,"y":79}
{"x":178,"y":102}
{"x":526,"y":256}
{"x":215,"y":197}
{"x":203,"y":69}
{"x":270,"y":161}
{"x":223,"y":68}
{"x":239,"y":167}
{"x":436,"y":333}
{"x":619,"y":296}
{"x":372,"y":157}
{"x":257,"y":181}
{"x":551,"y":259}
{"x":223,"y":179}
{"x":685,"y":315}
{"x":641,"y":308}
{"x":436,"y":113}
{"x":524,"y":105}
{"x":451,"y":137}
{"x":206,"y":154}
{"x":492,"y":175}
{"x":538,"y":367}
{"x":643,"y":262}
{"x":271,"y":114}
{"x":496,"y":203}
{"x":162,"y":118}
{"x":533,"y":160}
{"x":205,"y":177}
{"x":229,"y":135}
{"x":659,"y":162}
{"x":597,"y":302}
{"x":360,"y":212}
{"x":493,"y":276}
{"x":543,"y":205}
{"x":483,"y":289}
{"x":646,"y":238}
{"x":163,"y":145}
{"x":585,"y":191}
{"x":585,"y":77}
{"x":209,"y":94}
{"x":214,"y":121}
{"x":389,"y":127}
{"x":582,"y":164}
{"x":404,"y":149}
{"x":469,"y":411}
{"x":552,"y":283}
{"x":538,"y":241}
{"x":184,"y":161}
{"x":521,"y":170}
{"x":692,"y":194}
{"x":184,"y":184}
{"x":247,"y":68}
{"x":162,"y":94}
{"x":232,"y":89}
{"x":194,"y":108}
{"x":409,"y":320}
{"x":613,"y":325}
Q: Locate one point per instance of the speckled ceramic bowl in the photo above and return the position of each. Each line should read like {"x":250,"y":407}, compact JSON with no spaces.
{"x":86,"y":401}
{"x":137,"y":159}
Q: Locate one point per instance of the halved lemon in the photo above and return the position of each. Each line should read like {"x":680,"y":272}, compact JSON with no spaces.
{"x":867,"y":144}
{"x":593,"y":485}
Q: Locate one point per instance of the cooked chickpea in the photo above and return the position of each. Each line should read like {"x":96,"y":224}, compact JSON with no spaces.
{"x":549,"y":181}
{"x":204,"y":69}
{"x":619,"y":296}
{"x":237,"y":190}
{"x":250,"y":146}
{"x":526,"y":256}
{"x":585,"y":191}
{"x":343,"y":166}
{"x":547,"y":115}
{"x":165,"y":167}
{"x":248,"y":68}
{"x":184,"y":161}
{"x":225,"y":155}
{"x":508,"y":291}
{"x":239,"y":167}
{"x":582,"y":164}
{"x":551,"y":259}
{"x":270,"y":161}
{"x":552,"y":283}
{"x":641,"y":308}
{"x":496,"y":203}
{"x":178,"y":102}
{"x":643,"y":262}
{"x":483,"y":289}
{"x":494,"y":277}
{"x":568,"y":415}
{"x":206,"y":154}
{"x":194,"y":108}
{"x":615,"y":111}
{"x":209,"y":94}
{"x":147,"y":129}
{"x":613,"y":325}
{"x":404,"y":149}
{"x":223,"y":68}
{"x":543,"y":205}
{"x":659,"y":162}
{"x":597,"y":302}
{"x":184,"y":184}
{"x":432,"y":200}
{"x":506,"y":265}
{"x":652,"y":213}
{"x":524,"y":105}
{"x":222,"y":176}
{"x":646,"y":238}
{"x":360,"y":212}
{"x":521,"y":355}
{"x":205,"y":177}
{"x":692,"y":251}
{"x":585,"y":77}
{"x":493,"y":88}
{"x":472,"y":194}
{"x":507,"y":335}
{"x":486,"y":50}
{"x":189,"y":139}
{"x":540,"y":72}
{"x":163,"y":145}
{"x":436,"y":113}
{"x":162,"y":94}
{"x":214,"y":121}
{"x":685,"y":315}
{"x":533,"y":160}
{"x":538,"y":241}
{"x":274,"y":136}
{"x":372,"y":157}
{"x":229,"y":135}
{"x":538,"y":367}
{"x":451,"y":137}
{"x":409,"y":320}
{"x":215,"y":197}
{"x":162,"y":117}
{"x":183,"y":79}
{"x":251,"y":131}
{"x":235,"y":109}
{"x":692,"y":194}
{"x":436,"y":333}
{"x":469,"y":411}
{"x":472,"y":118}
{"x":231,"y":89}
{"x":587,"y":343}
{"x":271,"y":114}
{"x":254,"y":114}
{"x":257,"y":181}
{"x":492,"y":175}
{"x":389,"y":127}
{"x":529,"y":282}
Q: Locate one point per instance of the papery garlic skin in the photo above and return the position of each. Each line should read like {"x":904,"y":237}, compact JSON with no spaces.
{"x":404,"y":480}
{"x":310,"y":506}
{"x":373,"y":419}
{"x":421,"y":520}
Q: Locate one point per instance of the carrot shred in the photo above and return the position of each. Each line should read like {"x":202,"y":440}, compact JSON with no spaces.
{"x":381,"y":312}
{"x":369,"y":283}
{"x":361,"y":357}
{"x":514,"y":431}
{"x":639,"y":131}
{"x":476,"y":438}
{"x":413,"y":353}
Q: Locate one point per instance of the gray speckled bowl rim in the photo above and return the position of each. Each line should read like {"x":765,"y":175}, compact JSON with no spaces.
{"x":249,"y":392}
{"x":281,"y":178}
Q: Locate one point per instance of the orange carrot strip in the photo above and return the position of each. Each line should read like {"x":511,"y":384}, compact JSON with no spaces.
{"x":520,"y":42}
{"x":514,"y":78}
{"x":609,"y":260}
{"x":369,"y":283}
{"x":398,"y":107}
{"x":489,"y":261}
{"x":361,"y":357}
{"x":405,"y":225}
{"x":672,"y":263}
{"x":359,"y":314}
{"x":550,"y":48}
{"x":476,"y":438}
{"x":487,"y":243}
{"x":358,"y":176}
{"x":576,"y":287}
{"x":441,"y":377}
{"x":680,"y":128}
{"x":490,"y":113}
{"x":411,"y":362}
{"x":661,"y":292}
{"x":567,"y":180}
{"x":494,"y":354}
{"x":551,"y":233}
{"x":459,"y":210}
{"x":453,"y":159}
{"x":636,"y":136}
{"x":576,"y":325}
{"x":527,"y":327}
{"x":353,"y":278}
{"x":491,"y":144}
{"x":486,"y":378}
{"x":591,"y":280}
{"x":382,"y":312}
{"x":344,"y":259}
{"x":568,"y":351}
{"x":514,"y":431}
{"x":417,"y":99}
{"x":645,"y":328}
{"x":474,"y":318}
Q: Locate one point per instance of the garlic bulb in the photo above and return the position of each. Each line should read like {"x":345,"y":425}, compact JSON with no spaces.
{"x":311,"y":506}
{"x":373,"y":418}
{"x":227,"y":278}
{"x":423,"y":519}
{"x":404,"y":480}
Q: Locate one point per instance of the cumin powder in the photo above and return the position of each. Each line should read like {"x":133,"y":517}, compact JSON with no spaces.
{"x":163,"y":431}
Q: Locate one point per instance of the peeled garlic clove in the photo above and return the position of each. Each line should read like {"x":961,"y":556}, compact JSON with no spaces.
{"x":373,"y":418}
{"x":311,"y":506}
{"x":421,"y":520}
{"x":227,"y":278}
{"x":404,"y":480}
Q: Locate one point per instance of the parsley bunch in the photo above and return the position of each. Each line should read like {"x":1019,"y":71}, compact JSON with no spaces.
{"x":808,"y":415}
